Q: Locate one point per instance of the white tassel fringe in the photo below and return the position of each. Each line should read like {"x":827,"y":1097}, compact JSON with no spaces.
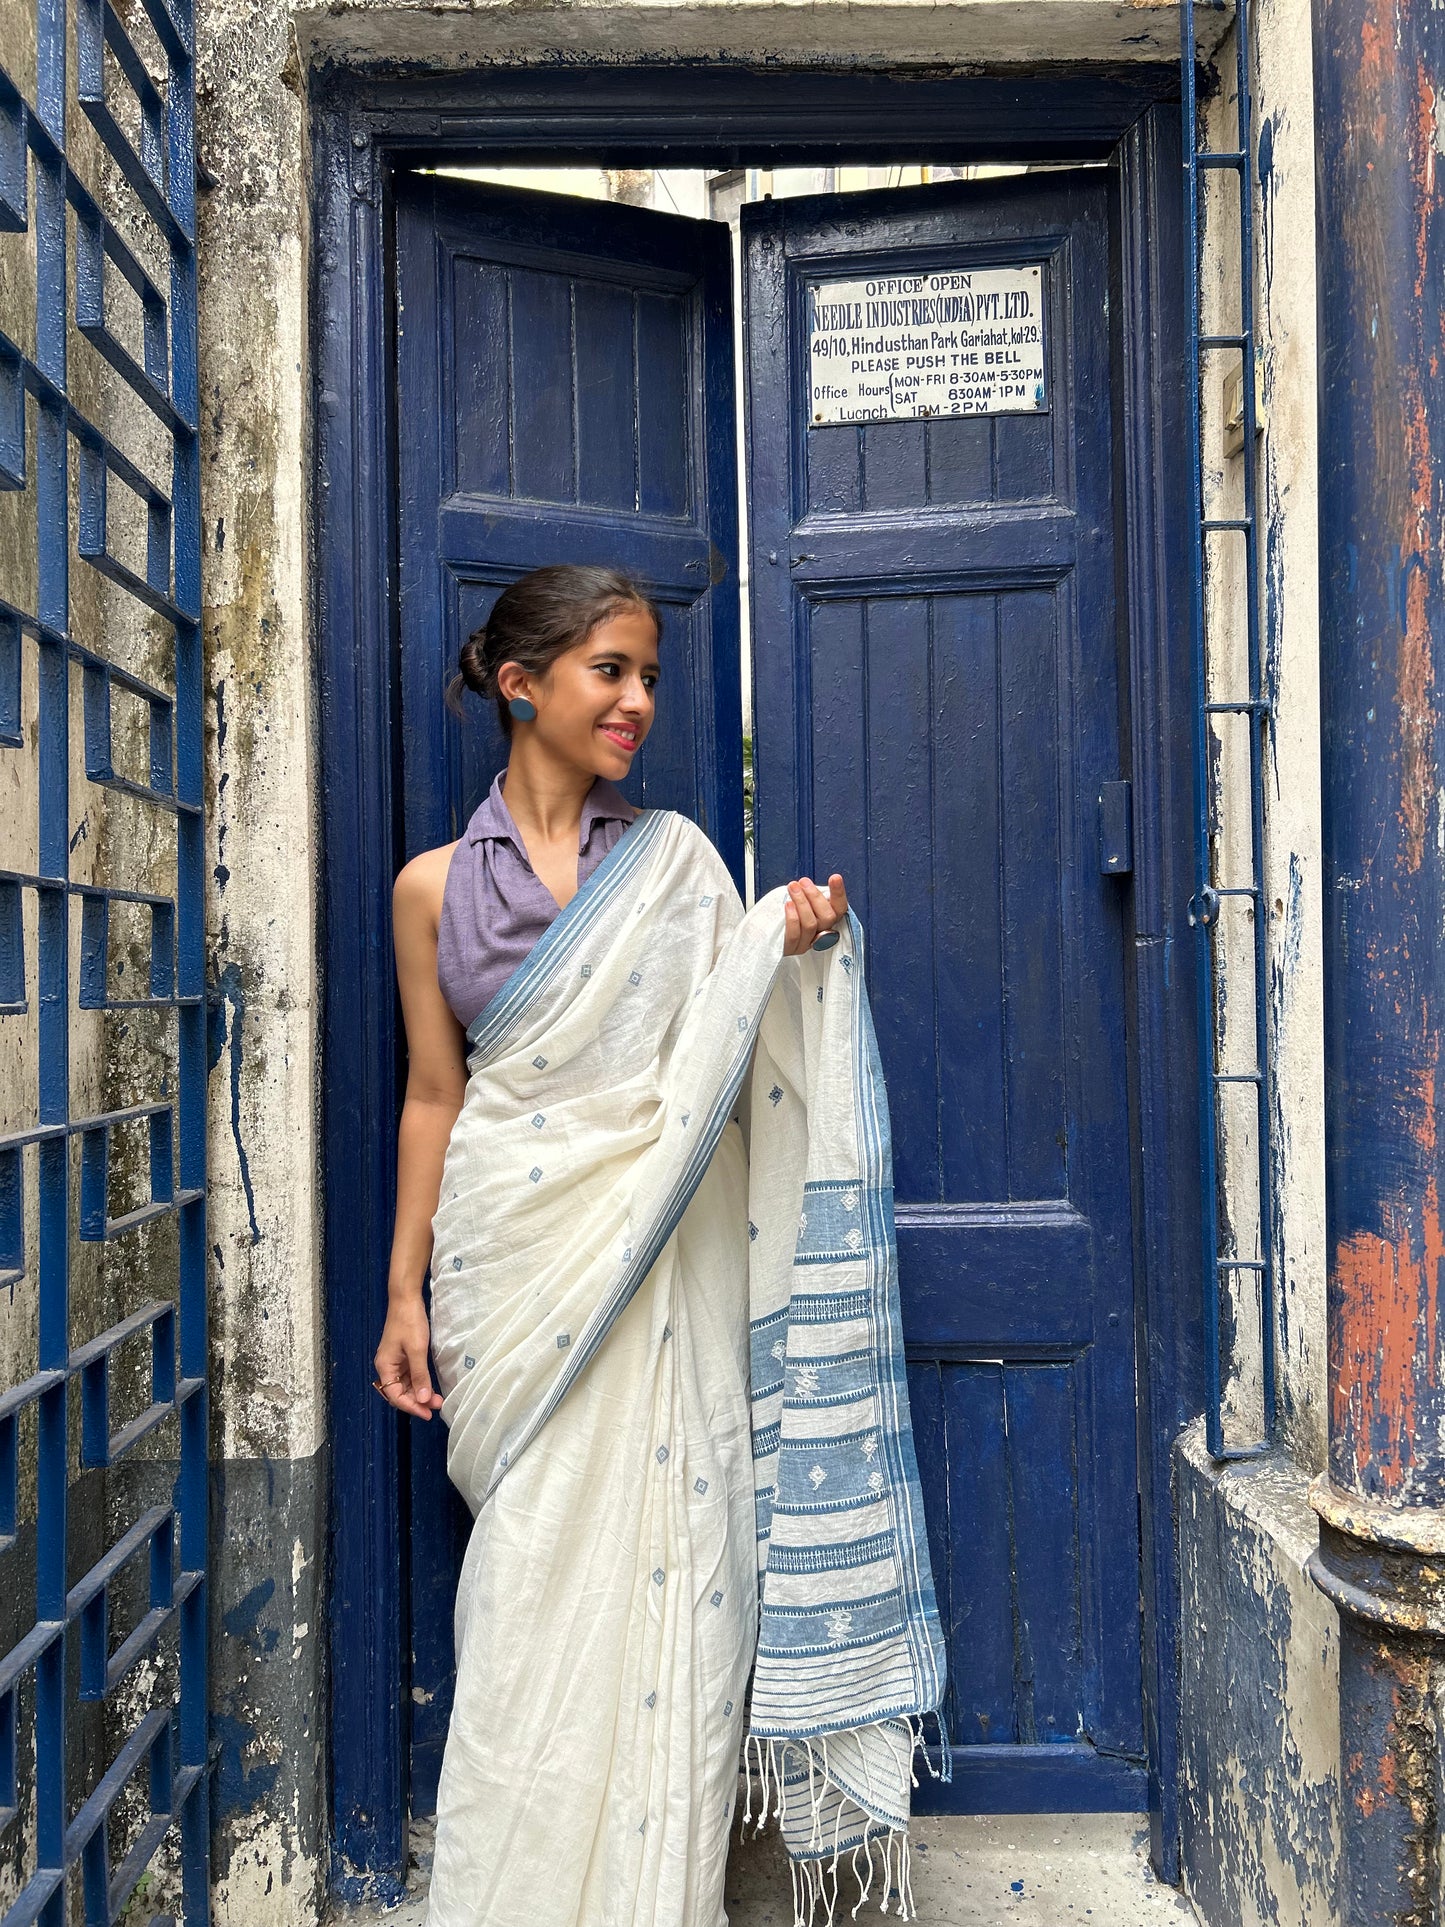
{"x":815,"y":1879}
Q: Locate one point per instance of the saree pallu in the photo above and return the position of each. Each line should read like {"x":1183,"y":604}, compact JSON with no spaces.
{"x":665,"y":1324}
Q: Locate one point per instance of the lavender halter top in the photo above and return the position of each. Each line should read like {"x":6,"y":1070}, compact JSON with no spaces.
{"x":495,"y":906}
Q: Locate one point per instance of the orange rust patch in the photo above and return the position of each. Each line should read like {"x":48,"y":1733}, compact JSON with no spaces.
{"x":1377,"y":67}
{"x":1368,"y":1801}
{"x":1388,"y":1286}
{"x":1377,"y":47}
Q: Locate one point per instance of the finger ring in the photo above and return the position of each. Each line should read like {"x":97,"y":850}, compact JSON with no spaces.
{"x":825,"y":940}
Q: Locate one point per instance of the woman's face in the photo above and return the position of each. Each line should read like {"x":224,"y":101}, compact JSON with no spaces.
{"x":596,"y":702}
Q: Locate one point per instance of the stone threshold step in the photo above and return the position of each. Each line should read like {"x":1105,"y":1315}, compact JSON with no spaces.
{"x":1034,"y":1870}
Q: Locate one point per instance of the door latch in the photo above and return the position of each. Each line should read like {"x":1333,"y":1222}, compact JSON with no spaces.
{"x":1116,"y":829}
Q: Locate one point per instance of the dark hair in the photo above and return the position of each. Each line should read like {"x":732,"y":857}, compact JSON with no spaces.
{"x":538,"y":618}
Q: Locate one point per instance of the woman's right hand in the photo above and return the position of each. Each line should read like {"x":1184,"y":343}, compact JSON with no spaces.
{"x":811,"y":913}
{"x":403,"y":1374}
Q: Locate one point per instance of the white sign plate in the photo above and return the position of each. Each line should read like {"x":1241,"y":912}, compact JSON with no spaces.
{"x":952,"y":341}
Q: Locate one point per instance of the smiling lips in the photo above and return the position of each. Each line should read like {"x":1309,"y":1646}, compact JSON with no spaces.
{"x":624,"y":738}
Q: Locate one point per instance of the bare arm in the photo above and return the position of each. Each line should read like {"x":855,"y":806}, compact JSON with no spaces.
{"x":436,"y":1080}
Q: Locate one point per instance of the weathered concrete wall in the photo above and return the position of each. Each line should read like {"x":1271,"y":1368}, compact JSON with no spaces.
{"x":269,"y":1538}
{"x":1259,"y":1785}
{"x":1259,"y":1654}
{"x":1282,"y":186}
{"x":1285,"y":245}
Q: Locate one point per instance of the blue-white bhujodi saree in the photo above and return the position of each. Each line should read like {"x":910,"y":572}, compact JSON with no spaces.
{"x":665,"y":1321}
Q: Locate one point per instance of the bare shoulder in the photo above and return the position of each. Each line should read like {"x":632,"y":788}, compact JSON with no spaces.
{"x":417,"y":891}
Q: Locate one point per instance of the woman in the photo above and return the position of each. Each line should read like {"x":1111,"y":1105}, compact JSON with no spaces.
{"x":624,"y":1104}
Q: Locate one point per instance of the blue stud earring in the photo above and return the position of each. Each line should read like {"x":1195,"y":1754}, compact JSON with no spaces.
{"x":522,"y":709}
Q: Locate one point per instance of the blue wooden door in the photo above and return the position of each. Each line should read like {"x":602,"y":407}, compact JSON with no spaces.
{"x":936,"y":651}
{"x":565,"y":394}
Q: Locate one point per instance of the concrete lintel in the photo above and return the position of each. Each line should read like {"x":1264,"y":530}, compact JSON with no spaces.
{"x":461,"y":34}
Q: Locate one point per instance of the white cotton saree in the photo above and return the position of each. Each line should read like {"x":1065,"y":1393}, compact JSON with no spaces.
{"x":665,"y":1322}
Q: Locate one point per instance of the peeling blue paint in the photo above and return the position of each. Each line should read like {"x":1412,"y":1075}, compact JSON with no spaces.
{"x":239,"y":1788}
{"x":243,"y":1621}
{"x":230,"y":989}
{"x":1253,"y":1805}
{"x":1265,"y":164}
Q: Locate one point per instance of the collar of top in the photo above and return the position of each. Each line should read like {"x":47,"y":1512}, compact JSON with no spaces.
{"x":493,"y":819}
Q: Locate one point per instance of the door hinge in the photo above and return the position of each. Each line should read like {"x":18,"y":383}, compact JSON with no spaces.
{"x":1116,"y":829}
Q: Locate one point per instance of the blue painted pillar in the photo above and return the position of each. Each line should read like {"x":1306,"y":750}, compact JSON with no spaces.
{"x":1380,"y":169}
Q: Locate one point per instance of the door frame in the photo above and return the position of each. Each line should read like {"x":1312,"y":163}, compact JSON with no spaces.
{"x":364,"y":127}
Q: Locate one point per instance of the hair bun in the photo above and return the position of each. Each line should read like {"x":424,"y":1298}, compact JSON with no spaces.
{"x":477,"y":673}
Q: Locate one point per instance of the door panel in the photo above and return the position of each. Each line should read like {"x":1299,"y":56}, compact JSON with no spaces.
{"x":565,"y":388}
{"x":936,"y":699}
{"x":565,"y":393}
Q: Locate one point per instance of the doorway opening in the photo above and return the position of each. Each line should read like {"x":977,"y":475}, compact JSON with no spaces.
{"x":963,"y":647}
{"x":903,"y":396}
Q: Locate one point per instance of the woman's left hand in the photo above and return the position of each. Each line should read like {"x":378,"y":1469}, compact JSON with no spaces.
{"x":810,"y":910}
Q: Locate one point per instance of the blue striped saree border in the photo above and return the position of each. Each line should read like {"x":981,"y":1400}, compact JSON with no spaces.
{"x":490,"y":1029}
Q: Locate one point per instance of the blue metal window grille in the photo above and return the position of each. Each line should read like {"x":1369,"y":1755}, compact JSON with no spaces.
{"x":103,"y":1419}
{"x":1227,"y":1264}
